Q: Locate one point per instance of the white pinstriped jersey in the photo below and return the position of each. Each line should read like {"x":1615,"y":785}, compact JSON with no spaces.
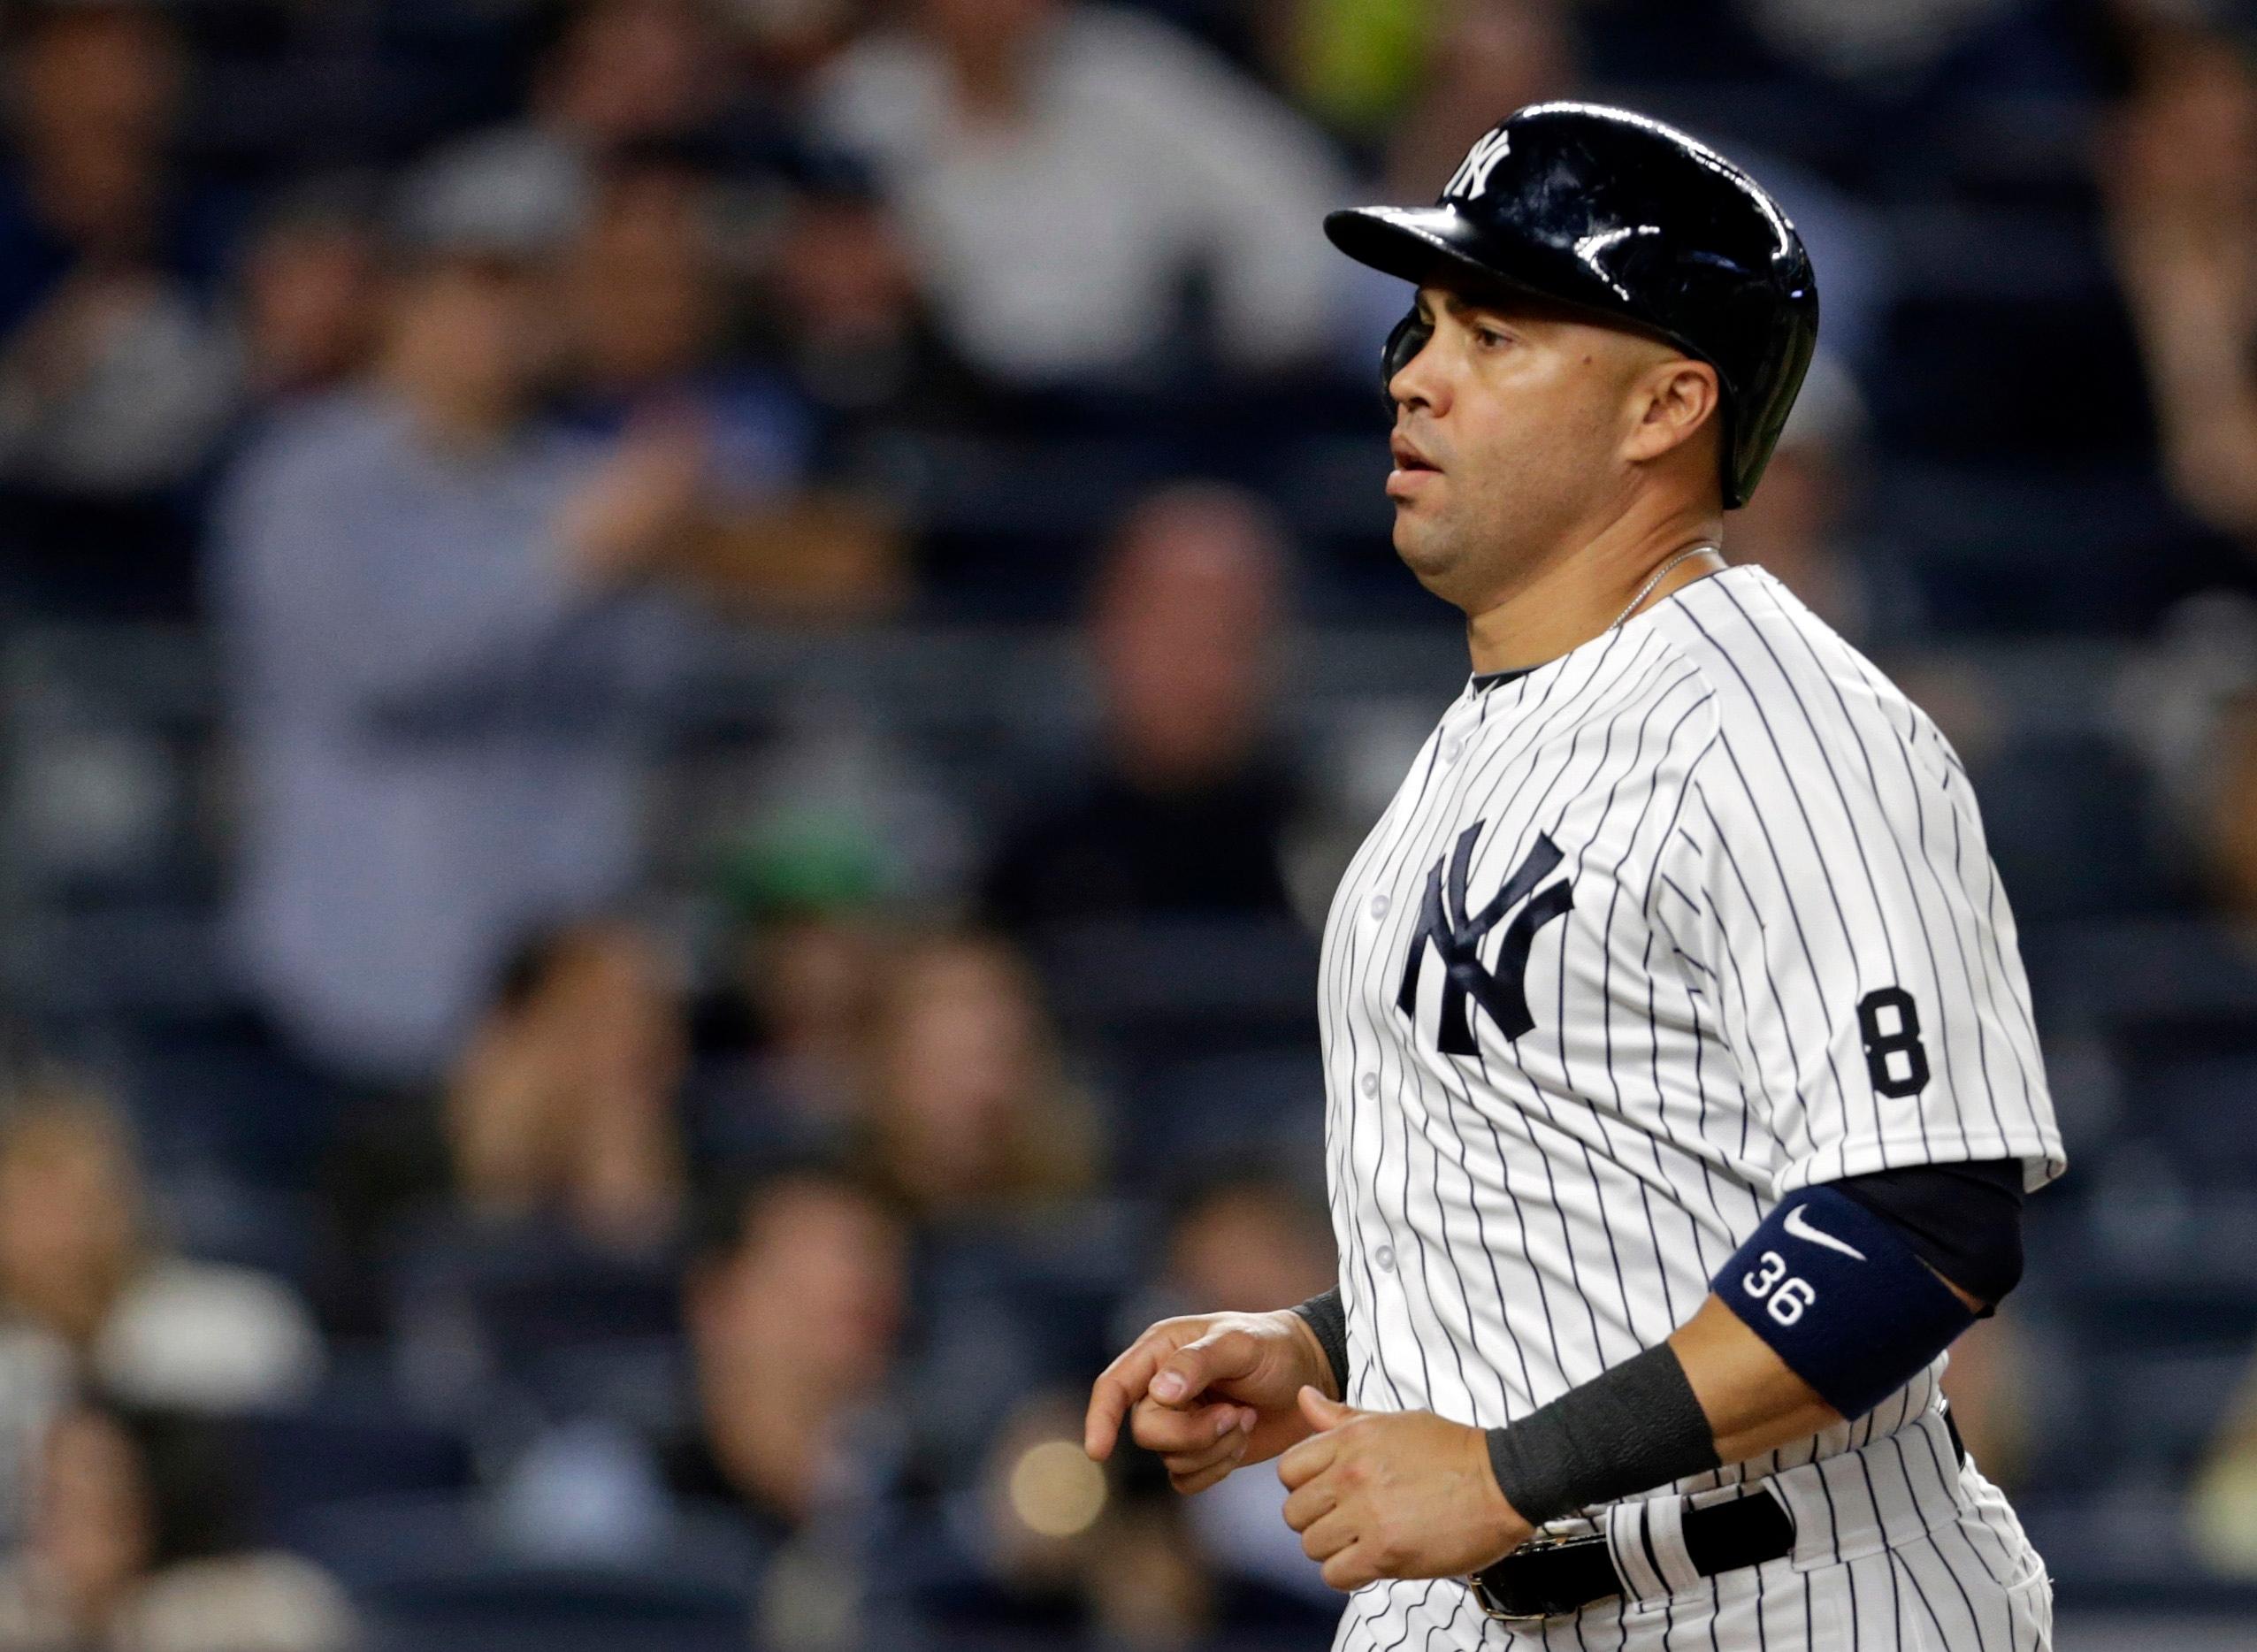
{"x":1693,"y":915}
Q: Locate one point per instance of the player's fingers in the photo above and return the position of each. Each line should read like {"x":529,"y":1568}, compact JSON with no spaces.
{"x":1304,"y":1462}
{"x":1314,"y":1501}
{"x":1172,"y":1433}
{"x":1327,"y":1537}
{"x":1350,"y":1569}
{"x":1228,"y":1449}
{"x":1189,"y":1480}
{"x":1199,"y":1364}
{"x":1120,"y":1385}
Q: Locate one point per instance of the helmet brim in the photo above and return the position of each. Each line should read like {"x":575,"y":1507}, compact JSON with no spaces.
{"x":1406,"y":242}
{"x":1418,"y":244}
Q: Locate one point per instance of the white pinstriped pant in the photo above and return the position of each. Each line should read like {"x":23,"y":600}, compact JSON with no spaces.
{"x":1897,"y":1549}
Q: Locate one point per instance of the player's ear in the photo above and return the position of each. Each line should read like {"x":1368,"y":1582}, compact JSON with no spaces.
{"x":1670,"y":403}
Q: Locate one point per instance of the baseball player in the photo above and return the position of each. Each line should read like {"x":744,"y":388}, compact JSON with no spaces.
{"x":1681,"y":1090}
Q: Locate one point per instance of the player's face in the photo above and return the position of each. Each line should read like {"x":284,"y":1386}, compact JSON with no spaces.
{"x":1509,"y":437}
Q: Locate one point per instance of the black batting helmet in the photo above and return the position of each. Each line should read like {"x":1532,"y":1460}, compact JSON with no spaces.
{"x":1633,"y":221}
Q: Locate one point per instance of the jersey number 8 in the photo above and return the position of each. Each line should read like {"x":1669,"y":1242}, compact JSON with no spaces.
{"x":1895,"y":1059}
{"x":1788,"y":1296}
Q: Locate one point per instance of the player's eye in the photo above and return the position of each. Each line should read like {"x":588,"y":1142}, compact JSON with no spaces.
{"x":1489,"y":338}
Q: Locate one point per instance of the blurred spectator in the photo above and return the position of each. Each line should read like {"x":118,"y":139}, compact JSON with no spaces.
{"x":444,"y":642}
{"x":114,"y":381}
{"x":2191,"y":704}
{"x":563,"y":1103}
{"x":791,"y":1026}
{"x":649,"y":306}
{"x":133,"y":1548}
{"x":971,"y":1120}
{"x":1247,"y":1242}
{"x":1066,"y":170}
{"x":618,"y":73}
{"x":1488,"y":58}
{"x":1190,"y":806}
{"x":1852,"y":40}
{"x":311,"y":293}
{"x":1801,"y":522}
{"x":795,"y":1317}
{"x":560,"y":1119}
{"x":2180,"y":177}
{"x":88,"y":1290}
{"x":794,"y":1308}
{"x":847,"y":320}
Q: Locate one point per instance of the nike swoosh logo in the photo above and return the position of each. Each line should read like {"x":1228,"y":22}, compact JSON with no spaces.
{"x":1801,"y":1229}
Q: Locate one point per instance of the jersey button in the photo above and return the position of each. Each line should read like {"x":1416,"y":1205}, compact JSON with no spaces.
{"x":1371,"y":1084}
{"x":1379,"y":905}
{"x":1449,"y":751}
{"x":1385,"y":1256}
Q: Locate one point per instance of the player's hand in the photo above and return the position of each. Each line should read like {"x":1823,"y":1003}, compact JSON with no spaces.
{"x":1209,"y":1393}
{"x":1394,"y":1494}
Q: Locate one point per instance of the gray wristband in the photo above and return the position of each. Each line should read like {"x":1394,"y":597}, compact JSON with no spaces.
{"x":1329,"y":1320}
{"x":1631,"y":1428}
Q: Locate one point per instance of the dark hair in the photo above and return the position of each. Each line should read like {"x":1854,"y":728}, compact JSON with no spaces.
{"x":537,"y":954}
{"x":1244,"y":1177}
{"x":726,"y":1213}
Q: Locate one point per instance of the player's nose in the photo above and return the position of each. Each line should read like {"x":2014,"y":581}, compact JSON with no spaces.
{"x":1419,"y":383}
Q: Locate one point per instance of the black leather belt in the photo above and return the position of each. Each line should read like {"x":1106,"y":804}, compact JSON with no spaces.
{"x":1550,"y":1577}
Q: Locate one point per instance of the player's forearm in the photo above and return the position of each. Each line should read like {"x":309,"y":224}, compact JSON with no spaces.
{"x":1828,"y":1308}
{"x":1754,"y":1402}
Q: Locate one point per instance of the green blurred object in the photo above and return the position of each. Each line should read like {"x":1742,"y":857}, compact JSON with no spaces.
{"x":1356,"y":63}
{"x":804,"y":863}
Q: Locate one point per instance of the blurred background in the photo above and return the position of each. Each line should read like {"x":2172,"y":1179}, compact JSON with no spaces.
{"x":681,"y":682}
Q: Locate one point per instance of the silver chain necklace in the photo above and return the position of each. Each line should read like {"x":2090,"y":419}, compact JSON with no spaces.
{"x":1647,"y":589}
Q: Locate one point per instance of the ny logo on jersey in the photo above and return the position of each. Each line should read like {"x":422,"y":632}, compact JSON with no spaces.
{"x":1458,"y":938}
{"x":1473,"y":174}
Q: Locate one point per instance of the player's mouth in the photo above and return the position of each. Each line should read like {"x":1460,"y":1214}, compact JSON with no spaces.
{"x":1412,"y":465}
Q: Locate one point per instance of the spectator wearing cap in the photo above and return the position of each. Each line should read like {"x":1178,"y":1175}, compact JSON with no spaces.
{"x":784,"y":1040}
{"x":444,"y":639}
{"x":1066,"y":170}
{"x":1189,"y":812}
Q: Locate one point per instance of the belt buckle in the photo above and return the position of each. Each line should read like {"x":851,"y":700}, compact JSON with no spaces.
{"x":1536,"y":1545}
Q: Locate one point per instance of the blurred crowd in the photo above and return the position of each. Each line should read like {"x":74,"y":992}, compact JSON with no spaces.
{"x":685,"y":677}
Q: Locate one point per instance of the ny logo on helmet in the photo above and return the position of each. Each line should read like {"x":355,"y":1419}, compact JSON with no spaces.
{"x":1473,"y":174}
{"x":1458,"y":938}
